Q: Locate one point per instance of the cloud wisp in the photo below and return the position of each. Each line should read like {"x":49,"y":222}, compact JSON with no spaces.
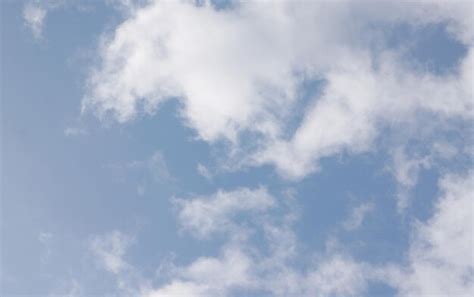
{"x":35,"y":13}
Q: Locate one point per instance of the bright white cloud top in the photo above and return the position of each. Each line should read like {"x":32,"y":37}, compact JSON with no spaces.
{"x":239,"y":148}
{"x":239,"y":71}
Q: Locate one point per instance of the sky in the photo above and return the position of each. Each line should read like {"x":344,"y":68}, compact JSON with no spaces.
{"x":237,"y":148}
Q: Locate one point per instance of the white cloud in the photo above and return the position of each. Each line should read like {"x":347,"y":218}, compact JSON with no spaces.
{"x":440,"y":259}
{"x":203,"y":216}
{"x":441,"y":255}
{"x":337,"y":276}
{"x":110,"y":249}
{"x":228,"y":88}
{"x":407,"y":165}
{"x":358,"y":215}
{"x":237,"y":72}
{"x":35,"y":13}
{"x":406,"y":170}
{"x":34,"y":16}
{"x":223,"y":276}
{"x":264,"y":268}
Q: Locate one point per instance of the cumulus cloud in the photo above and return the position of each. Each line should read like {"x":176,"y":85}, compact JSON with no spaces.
{"x":440,"y":260}
{"x":237,"y":73}
{"x":441,"y":254}
{"x":242,"y":265}
{"x":210,"y":276}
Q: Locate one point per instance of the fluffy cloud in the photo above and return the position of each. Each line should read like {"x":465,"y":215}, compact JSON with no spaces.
{"x":46,"y":240}
{"x":238,"y":72}
{"x":441,"y":255}
{"x":210,"y":276}
{"x":244,"y":266}
{"x":439,"y":260}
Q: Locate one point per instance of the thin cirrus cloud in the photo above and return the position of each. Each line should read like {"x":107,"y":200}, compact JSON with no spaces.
{"x":147,"y":172}
{"x":238,"y":73}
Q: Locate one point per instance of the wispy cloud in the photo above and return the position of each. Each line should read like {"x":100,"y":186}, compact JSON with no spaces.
{"x":204,"y":171}
{"x":75,"y":131}
{"x":46,"y":239}
{"x":203,"y":216}
{"x":110,"y":250}
{"x":35,"y":13}
{"x":34,"y":16}
{"x":245,"y":264}
{"x":358,"y":215}
{"x":149,"y":171}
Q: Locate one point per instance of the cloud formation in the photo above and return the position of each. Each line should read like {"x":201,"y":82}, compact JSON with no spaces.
{"x":441,"y":255}
{"x":238,"y":72}
{"x":243,"y":265}
{"x":203,"y":216}
{"x":439,"y":260}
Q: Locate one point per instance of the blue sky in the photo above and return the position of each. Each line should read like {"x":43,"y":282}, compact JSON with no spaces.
{"x":181,"y":148}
